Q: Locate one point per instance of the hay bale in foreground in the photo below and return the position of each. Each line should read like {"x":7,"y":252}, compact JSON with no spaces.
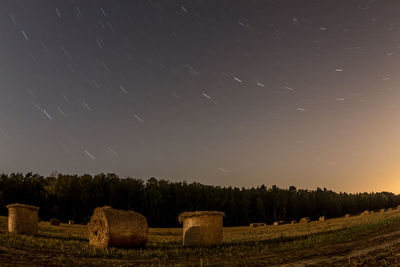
{"x":322,"y":218}
{"x":55,"y":222}
{"x":257,"y":225}
{"x":71,"y":222}
{"x":23,"y":219}
{"x":279,"y":223}
{"x":365,"y":213}
{"x":305,"y":220}
{"x":202,"y":228}
{"x":117,"y":228}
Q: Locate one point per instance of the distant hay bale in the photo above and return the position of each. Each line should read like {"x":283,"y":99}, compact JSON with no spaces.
{"x":23,"y":219}
{"x":372,"y":212}
{"x":365,"y":213}
{"x":71,"y":222}
{"x":382,"y":210}
{"x":293,"y":222}
{"x":202,"y":228}
{"x":305,"y":220}
{"x":55,"y":222}
{"x":391,"y":209}
{"x":279,"y":223}
{"x":322,"y":218}
{"x":258,"y":224}
{"x":117,"y":228}
{"x":347,"y":215}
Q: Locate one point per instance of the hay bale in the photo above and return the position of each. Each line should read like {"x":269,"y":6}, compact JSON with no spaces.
{"x":398,"y":207}
{"x":258,"y":224}
{"x":71,"y":222}
{"x":365,"y":213}
{"x":23,"y":219}
{"x":55,"y":222}
{"x":382,"y":210}
{"x":202,"y":228}
{"x":117,"y":228}
{"x":322,"y":218}
{"x":372,"y":212}
{"x":279,"y":223}
{"x":347,"y":215}
{"x":293,"y":222}
{"x":305,"y":220}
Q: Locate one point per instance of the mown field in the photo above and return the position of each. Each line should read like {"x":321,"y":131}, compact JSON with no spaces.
{"x":358,"y":240}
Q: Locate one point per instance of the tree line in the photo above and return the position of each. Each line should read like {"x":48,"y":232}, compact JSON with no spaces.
{"x":75,"y":197}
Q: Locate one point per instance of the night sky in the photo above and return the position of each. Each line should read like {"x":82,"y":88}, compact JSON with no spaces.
{"x":240,"y":93}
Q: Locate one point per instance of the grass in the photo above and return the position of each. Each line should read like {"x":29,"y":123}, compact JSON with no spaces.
{"x":242,"y":246}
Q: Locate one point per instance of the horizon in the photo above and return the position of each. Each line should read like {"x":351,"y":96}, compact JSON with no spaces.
{"x":56,"y":174}
{"x":301,"y":93}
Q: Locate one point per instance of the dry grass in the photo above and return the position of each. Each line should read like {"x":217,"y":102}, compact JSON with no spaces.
{"x":242,"y":246}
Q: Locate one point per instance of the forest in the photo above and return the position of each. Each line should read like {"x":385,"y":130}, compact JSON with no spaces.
{"x":73,"y":197}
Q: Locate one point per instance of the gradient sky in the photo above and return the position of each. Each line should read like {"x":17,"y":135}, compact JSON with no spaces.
{"x":240,"y":93}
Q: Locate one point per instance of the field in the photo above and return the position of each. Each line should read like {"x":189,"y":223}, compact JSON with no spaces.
{"x":357,"y":240}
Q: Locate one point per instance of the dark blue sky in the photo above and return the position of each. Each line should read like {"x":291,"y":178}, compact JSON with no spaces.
{"x":241,"y":93}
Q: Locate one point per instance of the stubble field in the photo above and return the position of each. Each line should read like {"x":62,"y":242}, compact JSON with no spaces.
{"x":357,"y":240}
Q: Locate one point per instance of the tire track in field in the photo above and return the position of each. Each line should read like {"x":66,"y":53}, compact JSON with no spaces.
{"x":353,"y":253}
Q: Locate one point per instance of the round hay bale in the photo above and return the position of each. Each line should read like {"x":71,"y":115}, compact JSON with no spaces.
{"x":365,"y":213}
{"x":71,"y":222}
{"x":202,"y":228}
{"x":257,"y":224}
{"x":322,"y":218}
{"x":382,"y":210}
{"x":305,"y":220}
{"x":293,"y":222}
{"x":55,"y":222}
{"x":23,"y":219}
{"x":279,"y":223}
{"x":117,"y":228}
{"x":347,"y":215}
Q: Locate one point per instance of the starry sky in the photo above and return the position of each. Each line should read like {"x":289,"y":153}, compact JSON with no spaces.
{"x":240,"y":93}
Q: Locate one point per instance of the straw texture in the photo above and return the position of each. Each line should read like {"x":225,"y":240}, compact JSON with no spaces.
{"x":23,"y":219}
{"x":117,"y":228}
{"x":365,"y":213}
{"x":322,"y":218}
{"x":257,"y":224}
{"x":305,"y":220}
{"x":202,"y":228}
